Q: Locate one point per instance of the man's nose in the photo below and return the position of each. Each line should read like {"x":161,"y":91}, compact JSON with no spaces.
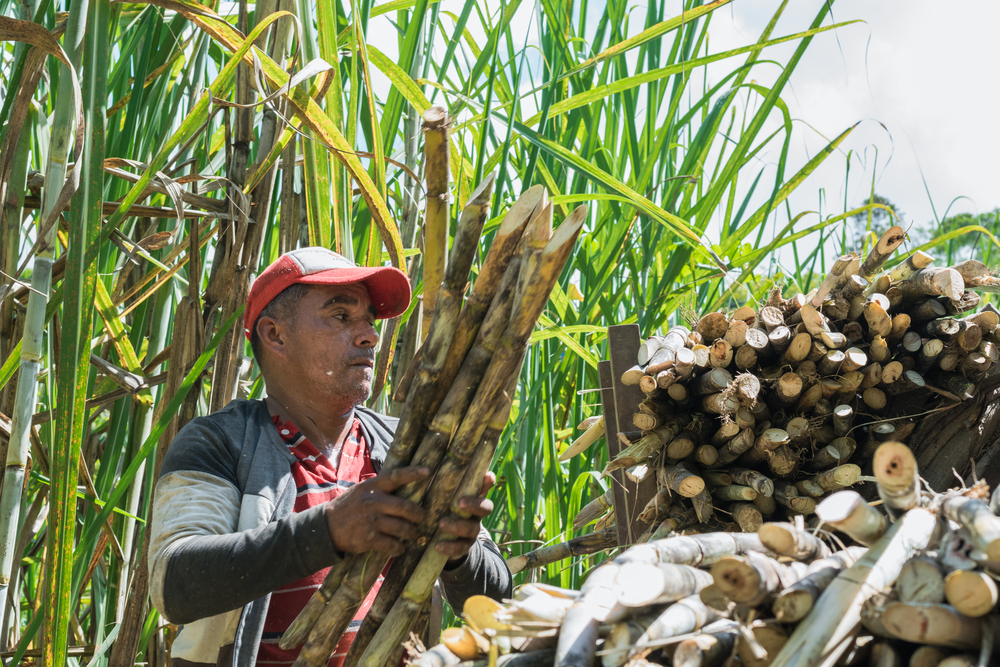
{"x":368,"y":337}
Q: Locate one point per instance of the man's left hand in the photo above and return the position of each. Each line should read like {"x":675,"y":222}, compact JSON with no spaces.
{"x":466,"y":531}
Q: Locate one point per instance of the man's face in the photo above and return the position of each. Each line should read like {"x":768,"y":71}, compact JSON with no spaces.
{"x":328,"y":346}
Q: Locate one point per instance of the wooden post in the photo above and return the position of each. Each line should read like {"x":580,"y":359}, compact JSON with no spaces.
{"x":630,"y":498}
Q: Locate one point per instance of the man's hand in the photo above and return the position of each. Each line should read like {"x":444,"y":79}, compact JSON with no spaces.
{"x":367,"y":516}
{"x":466,"y":531}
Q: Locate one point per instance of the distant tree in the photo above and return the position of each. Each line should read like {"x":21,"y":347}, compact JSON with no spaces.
{"x":959,"y":247}
{"x":881,"y":219}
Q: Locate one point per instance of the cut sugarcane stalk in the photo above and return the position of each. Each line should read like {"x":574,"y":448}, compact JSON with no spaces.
{"x":970,"y":592}
{"x":622,"y":639}
{"x":594,"y":433}
{"x":578,"y":546}
{"x":436,"y":213}
{"x":895,"y":468}
{"x":705,"y":650}
{"x":754,"y":579}
{"x":786,"y":539}
{"x":643,"y":584}
{"x":848,"y":512}
{"x":594,"y":510}
{"x":820,"y":637}
{"x":934,"y":282}
{"x":909,"y":266}
{"x":921,"y":580}
{"x":686,"y":616}
{"x":887,"y":244}
{"x":982,"y":525}
{"x":796,"y":601}
{"x":681,"y":481}
{"x":935,"y":624}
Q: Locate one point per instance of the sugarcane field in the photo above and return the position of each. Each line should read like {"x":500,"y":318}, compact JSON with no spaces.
{"x":441,"y":333}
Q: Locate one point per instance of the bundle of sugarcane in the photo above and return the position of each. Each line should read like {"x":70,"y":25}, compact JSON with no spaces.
{"x":761,"y":413}
{"x":455,"y":409}
{"x":916,"y":584}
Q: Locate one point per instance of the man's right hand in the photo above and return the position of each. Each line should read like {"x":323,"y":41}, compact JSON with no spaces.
{"x":368,"y":517}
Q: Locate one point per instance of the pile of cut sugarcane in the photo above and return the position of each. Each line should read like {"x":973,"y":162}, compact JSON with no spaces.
{"x":762,"y":413}
{"x":916,"y":586}
{"x":456,"y":406}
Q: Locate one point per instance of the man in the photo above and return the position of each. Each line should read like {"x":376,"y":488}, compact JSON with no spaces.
{"x":255,"y":502}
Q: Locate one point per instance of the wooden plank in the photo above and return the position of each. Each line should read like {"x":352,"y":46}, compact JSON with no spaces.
{"x":623,"y":344}
{"x":614,"y":446}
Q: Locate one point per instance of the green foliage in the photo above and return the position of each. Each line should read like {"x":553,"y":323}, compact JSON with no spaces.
{"x":611,"y":106}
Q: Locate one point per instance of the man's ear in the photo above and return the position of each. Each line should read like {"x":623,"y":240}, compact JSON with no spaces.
{"x":271,"y":333}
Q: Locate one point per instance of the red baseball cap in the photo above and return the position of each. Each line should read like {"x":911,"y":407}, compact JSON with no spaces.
{"x":388,"y":287}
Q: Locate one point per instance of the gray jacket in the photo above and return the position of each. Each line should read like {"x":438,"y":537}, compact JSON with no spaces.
{"x":224,"y":534}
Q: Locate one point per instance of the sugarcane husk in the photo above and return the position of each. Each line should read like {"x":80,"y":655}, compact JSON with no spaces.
{"x":982,"y":525}
{"x":794,"y":602}
{"x":578,"y":546}
{"x":644,"y":584}
{"x":788,"y":540}
{"x":970,"y":592}
{"x":934,"y":624}
{"x":685,"y":616}
{"x":436,"y":213}
{"x":705,"y":650}
{"x":848,"y":512}
{"x":820,"y":638}
{"x":895,"y":468}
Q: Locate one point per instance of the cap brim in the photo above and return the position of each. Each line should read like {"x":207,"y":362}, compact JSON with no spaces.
{"x":388,"y":287}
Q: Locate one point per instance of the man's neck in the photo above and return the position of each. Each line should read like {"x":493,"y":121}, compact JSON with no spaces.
{"x":326,"y":430}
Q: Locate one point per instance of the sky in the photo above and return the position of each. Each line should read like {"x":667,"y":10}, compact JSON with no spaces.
{"x":920,"y":78}
{"x":914,"y":75}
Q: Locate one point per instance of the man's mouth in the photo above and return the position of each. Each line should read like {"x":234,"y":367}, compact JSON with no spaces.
{"x":367,"y":363}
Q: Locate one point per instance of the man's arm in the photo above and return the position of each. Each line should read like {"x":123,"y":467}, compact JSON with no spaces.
{"x":482,"y":572}
{"x":200,"y":564}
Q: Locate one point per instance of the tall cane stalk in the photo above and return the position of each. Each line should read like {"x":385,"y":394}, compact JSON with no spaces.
{"x":32,"y":350}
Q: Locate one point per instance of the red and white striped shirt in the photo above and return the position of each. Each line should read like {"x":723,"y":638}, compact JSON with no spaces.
{"x":316,"y":482}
